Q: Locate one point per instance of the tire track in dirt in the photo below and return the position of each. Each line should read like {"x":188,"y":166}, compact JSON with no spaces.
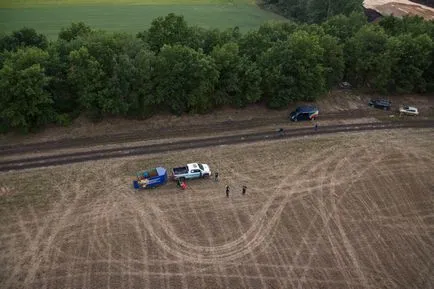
{"x":317,"y":281}
{"x":40,"y":245}
{"x":386,"y":176}
{"x":45,"y":246}
{"x":133,"y":267}
{"x":346,"y":242}
{"x":260,"y":230}
{"x":327,"y":217}
{"x":329,"y":170}
{"x":412,"y":226}
{"x":192,"y":130}
{"x":68,"y":158}
{"x":33,"y":244}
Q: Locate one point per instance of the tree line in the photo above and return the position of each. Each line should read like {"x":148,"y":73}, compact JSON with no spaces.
{"x":179,"y":68}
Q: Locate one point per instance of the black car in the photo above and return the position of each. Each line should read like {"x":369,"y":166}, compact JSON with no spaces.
{"x":380,"y":103}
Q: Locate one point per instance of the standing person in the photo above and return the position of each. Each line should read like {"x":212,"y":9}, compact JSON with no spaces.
{"x":216,"y":176}
{"x":244,"y":190}
{"x":316,"y":126}
{"x":280,"y":131}
{"x":227,"y":191}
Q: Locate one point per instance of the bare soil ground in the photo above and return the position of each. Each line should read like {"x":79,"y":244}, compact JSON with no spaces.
{"x":347,"y":211}
{"x":400,"y":8}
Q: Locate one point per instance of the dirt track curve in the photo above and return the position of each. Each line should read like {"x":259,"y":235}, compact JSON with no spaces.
{"x":68,"y":158}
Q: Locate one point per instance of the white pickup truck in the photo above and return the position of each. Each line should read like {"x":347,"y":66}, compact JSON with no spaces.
{"x":191,"y":171}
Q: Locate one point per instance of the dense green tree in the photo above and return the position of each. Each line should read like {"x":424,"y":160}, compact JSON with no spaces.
{"x":368,"y":61}
{"x":216,"y":37}
{"x":121,"y":85}
{"x":344,"y":27}
{"x":181,"y":68}
{"x":141,"y":102}
{"x":25,"y":37}
{"x":239,"y":78}
{"x":170,"y":30}
{"x":66,"y":102}
{"x":227,"y":60}
{"x":254,"y":43}
{"x":74,"y":30}
{"x":25,"y":102}
{"x":333,"y":56}
{"x":428,"y":74}
{"x":86,"y":79}
{"x":333,"y":60}
{"x":113,"y":55}
{"x":184,"y":79}
{"x":411,"y":57}
{"x":250,"y":83}
{"x":414,"y":25}
{"x":293,"y":70}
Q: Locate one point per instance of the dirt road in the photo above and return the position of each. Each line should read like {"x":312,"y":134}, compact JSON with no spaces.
{"x":42,"y":161}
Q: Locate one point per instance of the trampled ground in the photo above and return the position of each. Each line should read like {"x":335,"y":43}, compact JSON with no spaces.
{"x":345,"y":211}
{"x":49,"y":16}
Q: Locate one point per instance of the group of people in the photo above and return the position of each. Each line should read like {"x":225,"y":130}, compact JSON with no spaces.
{"x":243,"y":192}
{"x":183,"y":185}
{"x":244,"y":188}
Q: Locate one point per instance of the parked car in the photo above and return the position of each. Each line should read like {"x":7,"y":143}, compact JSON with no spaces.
{"x":150,"y":178}
{"x":380,"y":103}
{"x":304,"y":113}
{"x":408,"y":110}
{"x":191,"y":171}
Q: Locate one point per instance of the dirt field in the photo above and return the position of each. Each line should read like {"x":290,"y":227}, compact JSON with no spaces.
{"x":346,"y":211}
{"x":400,"y":8}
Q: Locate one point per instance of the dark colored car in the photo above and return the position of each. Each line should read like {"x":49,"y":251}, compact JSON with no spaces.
{"x":304,"y":113}
{"x":380,"y":103}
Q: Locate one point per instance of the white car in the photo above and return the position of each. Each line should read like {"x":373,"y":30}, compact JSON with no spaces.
{"x":191,"y":171}
{"x":408,"y":110}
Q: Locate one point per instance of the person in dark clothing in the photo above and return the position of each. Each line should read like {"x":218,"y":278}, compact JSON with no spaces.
{"x":244,"y":190}
{"x":216,"y":176}
{"x":227,"y":191}
{"x":316,"y":127}
{"x":280,"y":131}
{"x":178,"y":183}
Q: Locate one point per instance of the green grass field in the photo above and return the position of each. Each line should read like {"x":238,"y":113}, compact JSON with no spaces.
{"x":49,"y":16}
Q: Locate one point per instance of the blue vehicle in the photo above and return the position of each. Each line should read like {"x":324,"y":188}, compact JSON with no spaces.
{"x":150,"y":178}
{"x":304,"y":113}
{"x":380,"y":103}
